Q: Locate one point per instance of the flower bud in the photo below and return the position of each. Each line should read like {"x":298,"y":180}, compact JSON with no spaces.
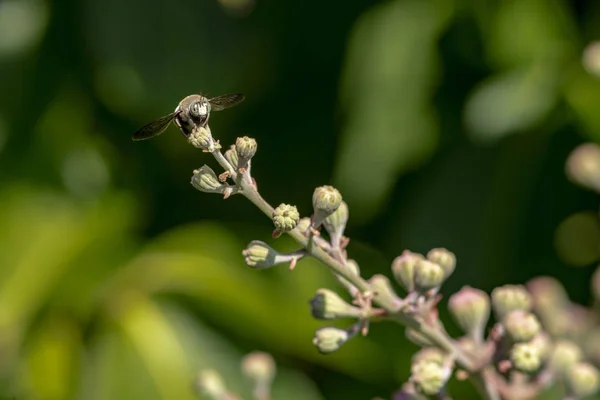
{"x":471,"y":309}
{"x":508,"y":298}
{"x":210,"y":384}
{"x":525,"y":357}
{"x":443,"y":258}
{"x":201,"y":138}
{"x":429,"y":377}
{"x":259,"y":255}
{"x":335,"y":224}
{"x":403,"y":268}
{"x":428,"y":275}
{"x":205,"y":180}
{"x":564,"y":356}
{"x":326,"y":199}
{"x":246,"y":149}
{"x":231,"y":156}
{"x":543,"y":343}
{"x":547,"y":294}
{"x":583,"y":166}
{"x":583,"y":379}
{"x":521,"y":326}
{"x":330,"y":339}
{"x":384,"y":292}
{"x":329,"y":305}
{"x":285,"y":217}
{"x":260,"y":368}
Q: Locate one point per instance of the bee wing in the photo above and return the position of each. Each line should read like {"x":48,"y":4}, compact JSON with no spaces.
{"x":154,"y":128}
{"x":225,"y":101}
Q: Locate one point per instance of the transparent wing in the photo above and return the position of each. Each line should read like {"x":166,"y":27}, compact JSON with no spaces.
{"x":154,"y":128}
{"x":225,"y":101}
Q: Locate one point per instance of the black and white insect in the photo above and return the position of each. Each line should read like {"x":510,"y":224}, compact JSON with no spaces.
{"x":191,"y":113}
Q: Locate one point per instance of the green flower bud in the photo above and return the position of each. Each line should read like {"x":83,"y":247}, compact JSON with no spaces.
{"x":471,"y":309}
{"x":210,"y":384}
{"x":205,"y":180}
{"x":260,"y":368}
{"x":583,"y":379}
{"x":548,"y":295}
{"x":246,"y":149}
{"x":329,"y":305}
{"x":403,"y":268}
{"x":429,"y":354}
{"x":383,"y":290}
{"x":583,"y":166}
{"x":330,"y":339}
{"x":428,"y":275}
{"x":521,"y":326}
{"x":231,"y":156}
{"x":564,"y":356}
{"x":525,"y":357}
{"x":429,"y":377}
{"x":285,"y":217}
{"x":201,"y":138}
{"x":443,"y":258}
{"x":326,"y":199}
{"x":335,"y":224}
{"x":508,"y":298}
{"x":417,"y":337}
{"x":259,"y":255}
{"x":543,"y":343}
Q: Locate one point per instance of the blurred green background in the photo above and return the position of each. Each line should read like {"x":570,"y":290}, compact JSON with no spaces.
{"x":443,"y":123}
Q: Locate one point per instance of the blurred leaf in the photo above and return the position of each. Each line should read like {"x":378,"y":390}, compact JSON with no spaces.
{"x":204,"y":262}
{"x":52,"y":361}
{"x":510,"y":102}
{"x":530,"y":31}
{"x":387,"y":88}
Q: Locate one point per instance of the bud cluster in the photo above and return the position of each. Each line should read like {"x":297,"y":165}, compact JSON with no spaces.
{"x":415,"y":272}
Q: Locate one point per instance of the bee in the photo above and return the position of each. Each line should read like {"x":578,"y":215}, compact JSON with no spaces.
{"x":191,"y":113}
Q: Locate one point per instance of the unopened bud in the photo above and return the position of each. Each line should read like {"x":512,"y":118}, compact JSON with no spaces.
{"x":508,"y":298}
{"x":548,"y":294}
{"x":564,"y":356}
{"x":543,"y":343}
{"x":231,"y":156}
{"x":521,"y":326}
{"x":259,"y":255}
{"x":583,"y":166}
{"x":335,"y":224}
{"x":326,"y":199}
{"x":443,"y":258}
{"x":246,"y":149}
{"x":583,"y":379}
{"x":285,"y":217}
{"x":429,"y":376}
{"x":384,"y":292}
{"x":205,"y":180}
{"x":201,"y":138}
{"x":210,"y":384}
{"x":471,"y":309}
{"x":260,"y":368}
{"x":330,"y":339}
{"x":428,"y":275}
{"x":525,"y":357}
{"x":327,"y":304}
{"x":403,"y":268}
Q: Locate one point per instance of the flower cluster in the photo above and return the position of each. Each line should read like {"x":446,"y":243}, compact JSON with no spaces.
{"x":537,"y":338}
